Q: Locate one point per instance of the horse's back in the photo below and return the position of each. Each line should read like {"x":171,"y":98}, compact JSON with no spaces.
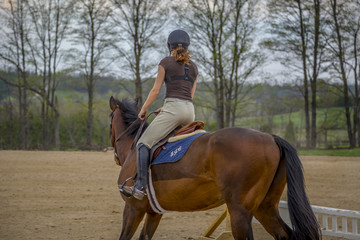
{"x":214,"y":165}
{"x":244,"y":143}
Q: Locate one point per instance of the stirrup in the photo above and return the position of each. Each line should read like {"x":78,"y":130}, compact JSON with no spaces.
{"x":138,"y":194}
{"x":121,"y":187}
{"x":133,"y":191}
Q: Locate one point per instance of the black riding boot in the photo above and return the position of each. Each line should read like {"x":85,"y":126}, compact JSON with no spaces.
{"x":143,"y":161}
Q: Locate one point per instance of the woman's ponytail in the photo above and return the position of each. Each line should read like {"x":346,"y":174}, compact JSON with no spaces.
{"x":181,"y":55}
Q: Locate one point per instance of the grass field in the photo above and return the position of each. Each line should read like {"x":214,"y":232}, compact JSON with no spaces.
{"x":331,"y":128}
{"x":333,"y":152}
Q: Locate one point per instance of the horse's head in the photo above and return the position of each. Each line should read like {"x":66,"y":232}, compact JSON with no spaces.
{"x":123,"y":127}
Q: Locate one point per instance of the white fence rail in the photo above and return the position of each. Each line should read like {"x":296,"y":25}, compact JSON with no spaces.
{"x":333,"y":221}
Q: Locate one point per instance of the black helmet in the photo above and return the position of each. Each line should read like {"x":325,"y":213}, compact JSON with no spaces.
{"x":178,"y":37}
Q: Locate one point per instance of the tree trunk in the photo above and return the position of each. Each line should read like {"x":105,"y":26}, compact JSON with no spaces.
{"x":358,"y":105}
{"x":25,"y":122}
{"x":315,"y":73}
{"x":57,"y":126}
{"x":137,"y":54}
{"x":90,"y":83}
{"x":305,"y":80}
{"x":138,"y":83}
{"x":90,"y":115}
{"x":313,"y":114}
{"x":343,"y":74}
{"x":356,"y":119}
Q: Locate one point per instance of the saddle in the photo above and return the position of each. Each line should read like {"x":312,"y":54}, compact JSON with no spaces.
{"x":175,"y":135}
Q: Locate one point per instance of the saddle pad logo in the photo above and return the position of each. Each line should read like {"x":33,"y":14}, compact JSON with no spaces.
{"x":173,"y":153}
{"x":175,"y":150}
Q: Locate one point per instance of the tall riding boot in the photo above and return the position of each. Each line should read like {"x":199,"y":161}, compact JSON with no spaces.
{"x":143,"y":158}
{"x":143,"y":161}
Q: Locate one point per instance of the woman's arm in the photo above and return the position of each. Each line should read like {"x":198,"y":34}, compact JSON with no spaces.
{"x":154,"y":92}
{"x":193,"y":89}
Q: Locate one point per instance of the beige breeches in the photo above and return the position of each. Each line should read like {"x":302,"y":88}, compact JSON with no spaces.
{"x":174,"y":113}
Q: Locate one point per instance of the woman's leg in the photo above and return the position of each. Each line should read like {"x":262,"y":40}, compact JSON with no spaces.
{"x":172,"y":115}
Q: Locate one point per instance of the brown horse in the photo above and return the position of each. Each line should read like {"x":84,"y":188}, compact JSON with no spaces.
{"x":243,"y":168}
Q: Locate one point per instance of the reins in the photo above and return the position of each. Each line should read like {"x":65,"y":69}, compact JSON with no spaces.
{"x":137,"y":136}
{"x":128,"y":128}
{"x":138,"y":132}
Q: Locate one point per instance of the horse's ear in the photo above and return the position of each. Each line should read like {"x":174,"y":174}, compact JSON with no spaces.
{"x":112,"y":103}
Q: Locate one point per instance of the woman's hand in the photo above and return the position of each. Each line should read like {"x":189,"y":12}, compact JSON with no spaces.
{"x":142,"y":114}
{"x":157,"y":111}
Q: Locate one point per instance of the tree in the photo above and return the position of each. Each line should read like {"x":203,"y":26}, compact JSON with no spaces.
{"x":139,"y":23}
{"x":354,"y":63}
{"x":315,"y":69}
{"x":296,"y":33}
{"x":50,"y":20}
{"x":243,"y":60}
{"x":93,"y":34}
{"x":223,"y":33}
{"x":15,"y":52}
{"x":340,"y":45}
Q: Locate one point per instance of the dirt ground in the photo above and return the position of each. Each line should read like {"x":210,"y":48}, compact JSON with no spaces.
{"x":74,"y":195}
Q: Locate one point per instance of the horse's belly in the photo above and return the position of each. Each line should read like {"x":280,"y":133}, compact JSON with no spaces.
{"x":188,"y":194}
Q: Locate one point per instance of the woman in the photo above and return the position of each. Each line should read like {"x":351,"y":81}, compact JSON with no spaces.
{"x":180,"y":75}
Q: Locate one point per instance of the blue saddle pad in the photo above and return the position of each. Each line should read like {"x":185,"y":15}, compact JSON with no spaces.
{"x":175,"y":150}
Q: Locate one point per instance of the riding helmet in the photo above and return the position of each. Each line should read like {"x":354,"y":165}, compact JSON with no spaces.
{"x":178,"y":37}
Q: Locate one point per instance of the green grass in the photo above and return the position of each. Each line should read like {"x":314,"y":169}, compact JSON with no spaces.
{"x":332,"y":152}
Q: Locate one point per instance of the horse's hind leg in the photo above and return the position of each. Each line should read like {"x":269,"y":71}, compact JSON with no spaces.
{"x":151,"y":223}
{"x":270,"y":219}
{"x":240,"y":219}
{"x":267,"y":213}
{"x":131,"y":220}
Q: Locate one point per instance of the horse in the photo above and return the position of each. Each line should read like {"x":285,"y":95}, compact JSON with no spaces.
{"x":243,"y":168}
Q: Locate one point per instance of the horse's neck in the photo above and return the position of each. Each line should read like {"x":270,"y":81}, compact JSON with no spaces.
{"x":123,"y":148}
{"x":129,"y":162}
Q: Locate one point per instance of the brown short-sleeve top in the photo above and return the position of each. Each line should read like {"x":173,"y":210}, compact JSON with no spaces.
{"x":177,"y":86}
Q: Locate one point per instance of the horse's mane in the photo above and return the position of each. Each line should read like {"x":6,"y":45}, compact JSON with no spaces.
{"x":130,"y":112}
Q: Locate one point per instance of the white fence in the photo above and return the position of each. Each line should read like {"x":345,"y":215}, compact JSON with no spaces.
{"x":333,"y":221}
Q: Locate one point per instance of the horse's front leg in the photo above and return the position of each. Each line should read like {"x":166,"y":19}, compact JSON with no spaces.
{"x":151,"y":223}
{"x":131,"y":220}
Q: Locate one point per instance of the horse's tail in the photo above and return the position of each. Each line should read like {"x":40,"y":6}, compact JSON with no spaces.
{"x":304,"y":223}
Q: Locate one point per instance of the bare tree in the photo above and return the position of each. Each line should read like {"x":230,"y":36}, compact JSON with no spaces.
{"x":14,"y":50}
{"x":93,"y":34}
{"x":244,"y":61}
{"x":50,"y":20}
{"x":139,"y":23}
{"x":315,"y":69}
{"x":223,"y":34}
{"x":341,"y":43}
{"x":354,"y":63}
{"x":296,"y":33}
